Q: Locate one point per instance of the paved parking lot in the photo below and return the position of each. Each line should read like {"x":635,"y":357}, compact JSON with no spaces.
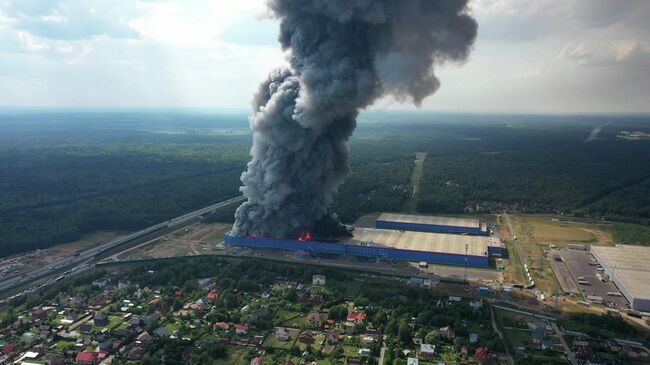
{"x":567,"y":282}
{"x":577,"y":262}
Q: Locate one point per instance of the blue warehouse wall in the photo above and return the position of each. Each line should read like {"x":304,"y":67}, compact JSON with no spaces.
{"x":496,"y":251}
{"x":367,"y":251}
{"x":402,"y":226}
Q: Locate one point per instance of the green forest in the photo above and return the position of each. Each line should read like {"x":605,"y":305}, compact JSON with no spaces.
{"x":64,"y":174}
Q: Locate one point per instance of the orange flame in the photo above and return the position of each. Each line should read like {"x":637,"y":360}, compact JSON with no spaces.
{"x":305,"y":236}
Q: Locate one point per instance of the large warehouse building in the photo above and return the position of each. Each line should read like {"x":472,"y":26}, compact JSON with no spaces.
{"x":423,"y":223}
{"x":452,"y":249}
{"x":627,"y":267}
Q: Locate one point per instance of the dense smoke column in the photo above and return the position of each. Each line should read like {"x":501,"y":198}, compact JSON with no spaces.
{"x":343,"y":55}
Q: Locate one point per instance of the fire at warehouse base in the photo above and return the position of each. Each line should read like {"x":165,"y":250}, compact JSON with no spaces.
{"x":399,"y":245}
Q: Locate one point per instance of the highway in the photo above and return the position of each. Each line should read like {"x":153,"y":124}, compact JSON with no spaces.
{"x":87,"y":256}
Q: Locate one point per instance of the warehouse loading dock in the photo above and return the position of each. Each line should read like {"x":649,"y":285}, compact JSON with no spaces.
{"x":627,"y":267}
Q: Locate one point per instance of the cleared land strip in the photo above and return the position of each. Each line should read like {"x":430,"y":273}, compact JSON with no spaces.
{"x":594,"y":133}
{"x":416,"y":178}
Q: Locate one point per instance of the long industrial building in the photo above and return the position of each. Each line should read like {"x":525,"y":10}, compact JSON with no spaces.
{"x":627,"y":267}
{"x":423,"y":223}
{"x":405,"y":245}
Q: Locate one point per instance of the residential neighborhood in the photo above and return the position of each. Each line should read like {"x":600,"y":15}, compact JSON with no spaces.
{"x":251,"y":312}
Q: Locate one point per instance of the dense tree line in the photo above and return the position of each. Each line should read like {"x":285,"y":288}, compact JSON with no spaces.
{"x":60,"y":180}
{"x":538,"y":169}
{"x":54,"y":195}
{"x":378,"y":182}
{"x":599,"y":326}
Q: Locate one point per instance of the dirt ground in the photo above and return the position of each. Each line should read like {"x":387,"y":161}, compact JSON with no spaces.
{"x":26,"y":262}
{"x":86,"y":242}
{"x":196,"y":239}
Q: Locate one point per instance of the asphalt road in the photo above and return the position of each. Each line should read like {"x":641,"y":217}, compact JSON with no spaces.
{"x":89,"y":254}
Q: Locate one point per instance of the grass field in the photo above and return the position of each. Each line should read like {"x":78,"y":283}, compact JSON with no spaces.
{"x":236,"y":356}
{"x":533,"y":254}
{"x":284,"y":315}
{"x":351,"y":288}
{"x":271,"y":341}
{"x":535,"y":233}
{"x":630,"y":234}
{"x":546,"y":229}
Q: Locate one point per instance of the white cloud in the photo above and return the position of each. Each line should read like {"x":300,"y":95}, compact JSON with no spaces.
{"x":72,"y":19}
{"x":605,"y":53}
{"x":197,"y":23}
{"x":31,"y":43}
{"x":214,"y":53}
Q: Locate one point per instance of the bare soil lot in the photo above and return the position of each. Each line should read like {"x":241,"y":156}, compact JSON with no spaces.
{"x":26,"y":262}
{"x":195,"y":239}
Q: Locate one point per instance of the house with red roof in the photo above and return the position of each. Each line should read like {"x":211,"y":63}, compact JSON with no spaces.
{"x":9,"y":348}
{"x":241,"y":329}
{"x":212,"y":295}
{"x":179,"y":293}
{"x":481,"y":354}
{"x":356,"y":317}
{"x":86,"y":358}
{"x":102,"y":355}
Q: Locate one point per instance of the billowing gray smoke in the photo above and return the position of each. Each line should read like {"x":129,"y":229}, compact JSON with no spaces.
{"x":343,"y":55}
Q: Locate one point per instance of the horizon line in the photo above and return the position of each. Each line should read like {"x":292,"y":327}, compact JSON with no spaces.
{"x":4,"y":108}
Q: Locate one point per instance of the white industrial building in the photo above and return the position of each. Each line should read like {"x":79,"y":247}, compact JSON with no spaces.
{"x":628,"y":268}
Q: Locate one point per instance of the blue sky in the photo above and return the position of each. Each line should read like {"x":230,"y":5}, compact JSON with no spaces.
{"x":548,"y":56}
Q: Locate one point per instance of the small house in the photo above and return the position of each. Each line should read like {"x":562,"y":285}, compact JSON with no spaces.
{"x":314,"y":320}
{"x":100,"y":319}
{"x":427,"y":351}
{"x":318,"y":279}
{"x":86,"y":329}
{"x":306,"y":337}
{"x":241,"y":329}
{"x":447,"y":332}
{"x":86,"y":358}
{"x":356,"y":317}
{"x":364,"y":352}
{"x":281,"y":334}
{"x":39,"y":313}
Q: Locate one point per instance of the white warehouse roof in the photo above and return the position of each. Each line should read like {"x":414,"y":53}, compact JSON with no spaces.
{"x":431,"y":220}
{"x":425,"y":241}
{"x":628,"y":268}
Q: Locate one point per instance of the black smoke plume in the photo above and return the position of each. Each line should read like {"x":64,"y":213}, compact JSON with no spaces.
{"x":343,"y":55}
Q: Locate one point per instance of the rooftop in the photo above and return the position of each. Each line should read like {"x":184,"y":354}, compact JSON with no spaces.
{"x":425,"y":219}
{"x":425,"y":241}
{"x":627,"y":257}
{"x":629,"y":264}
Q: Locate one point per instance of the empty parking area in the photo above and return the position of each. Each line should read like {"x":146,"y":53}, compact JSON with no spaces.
{"x":567,"y":281}
{"x":577,"y":262}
